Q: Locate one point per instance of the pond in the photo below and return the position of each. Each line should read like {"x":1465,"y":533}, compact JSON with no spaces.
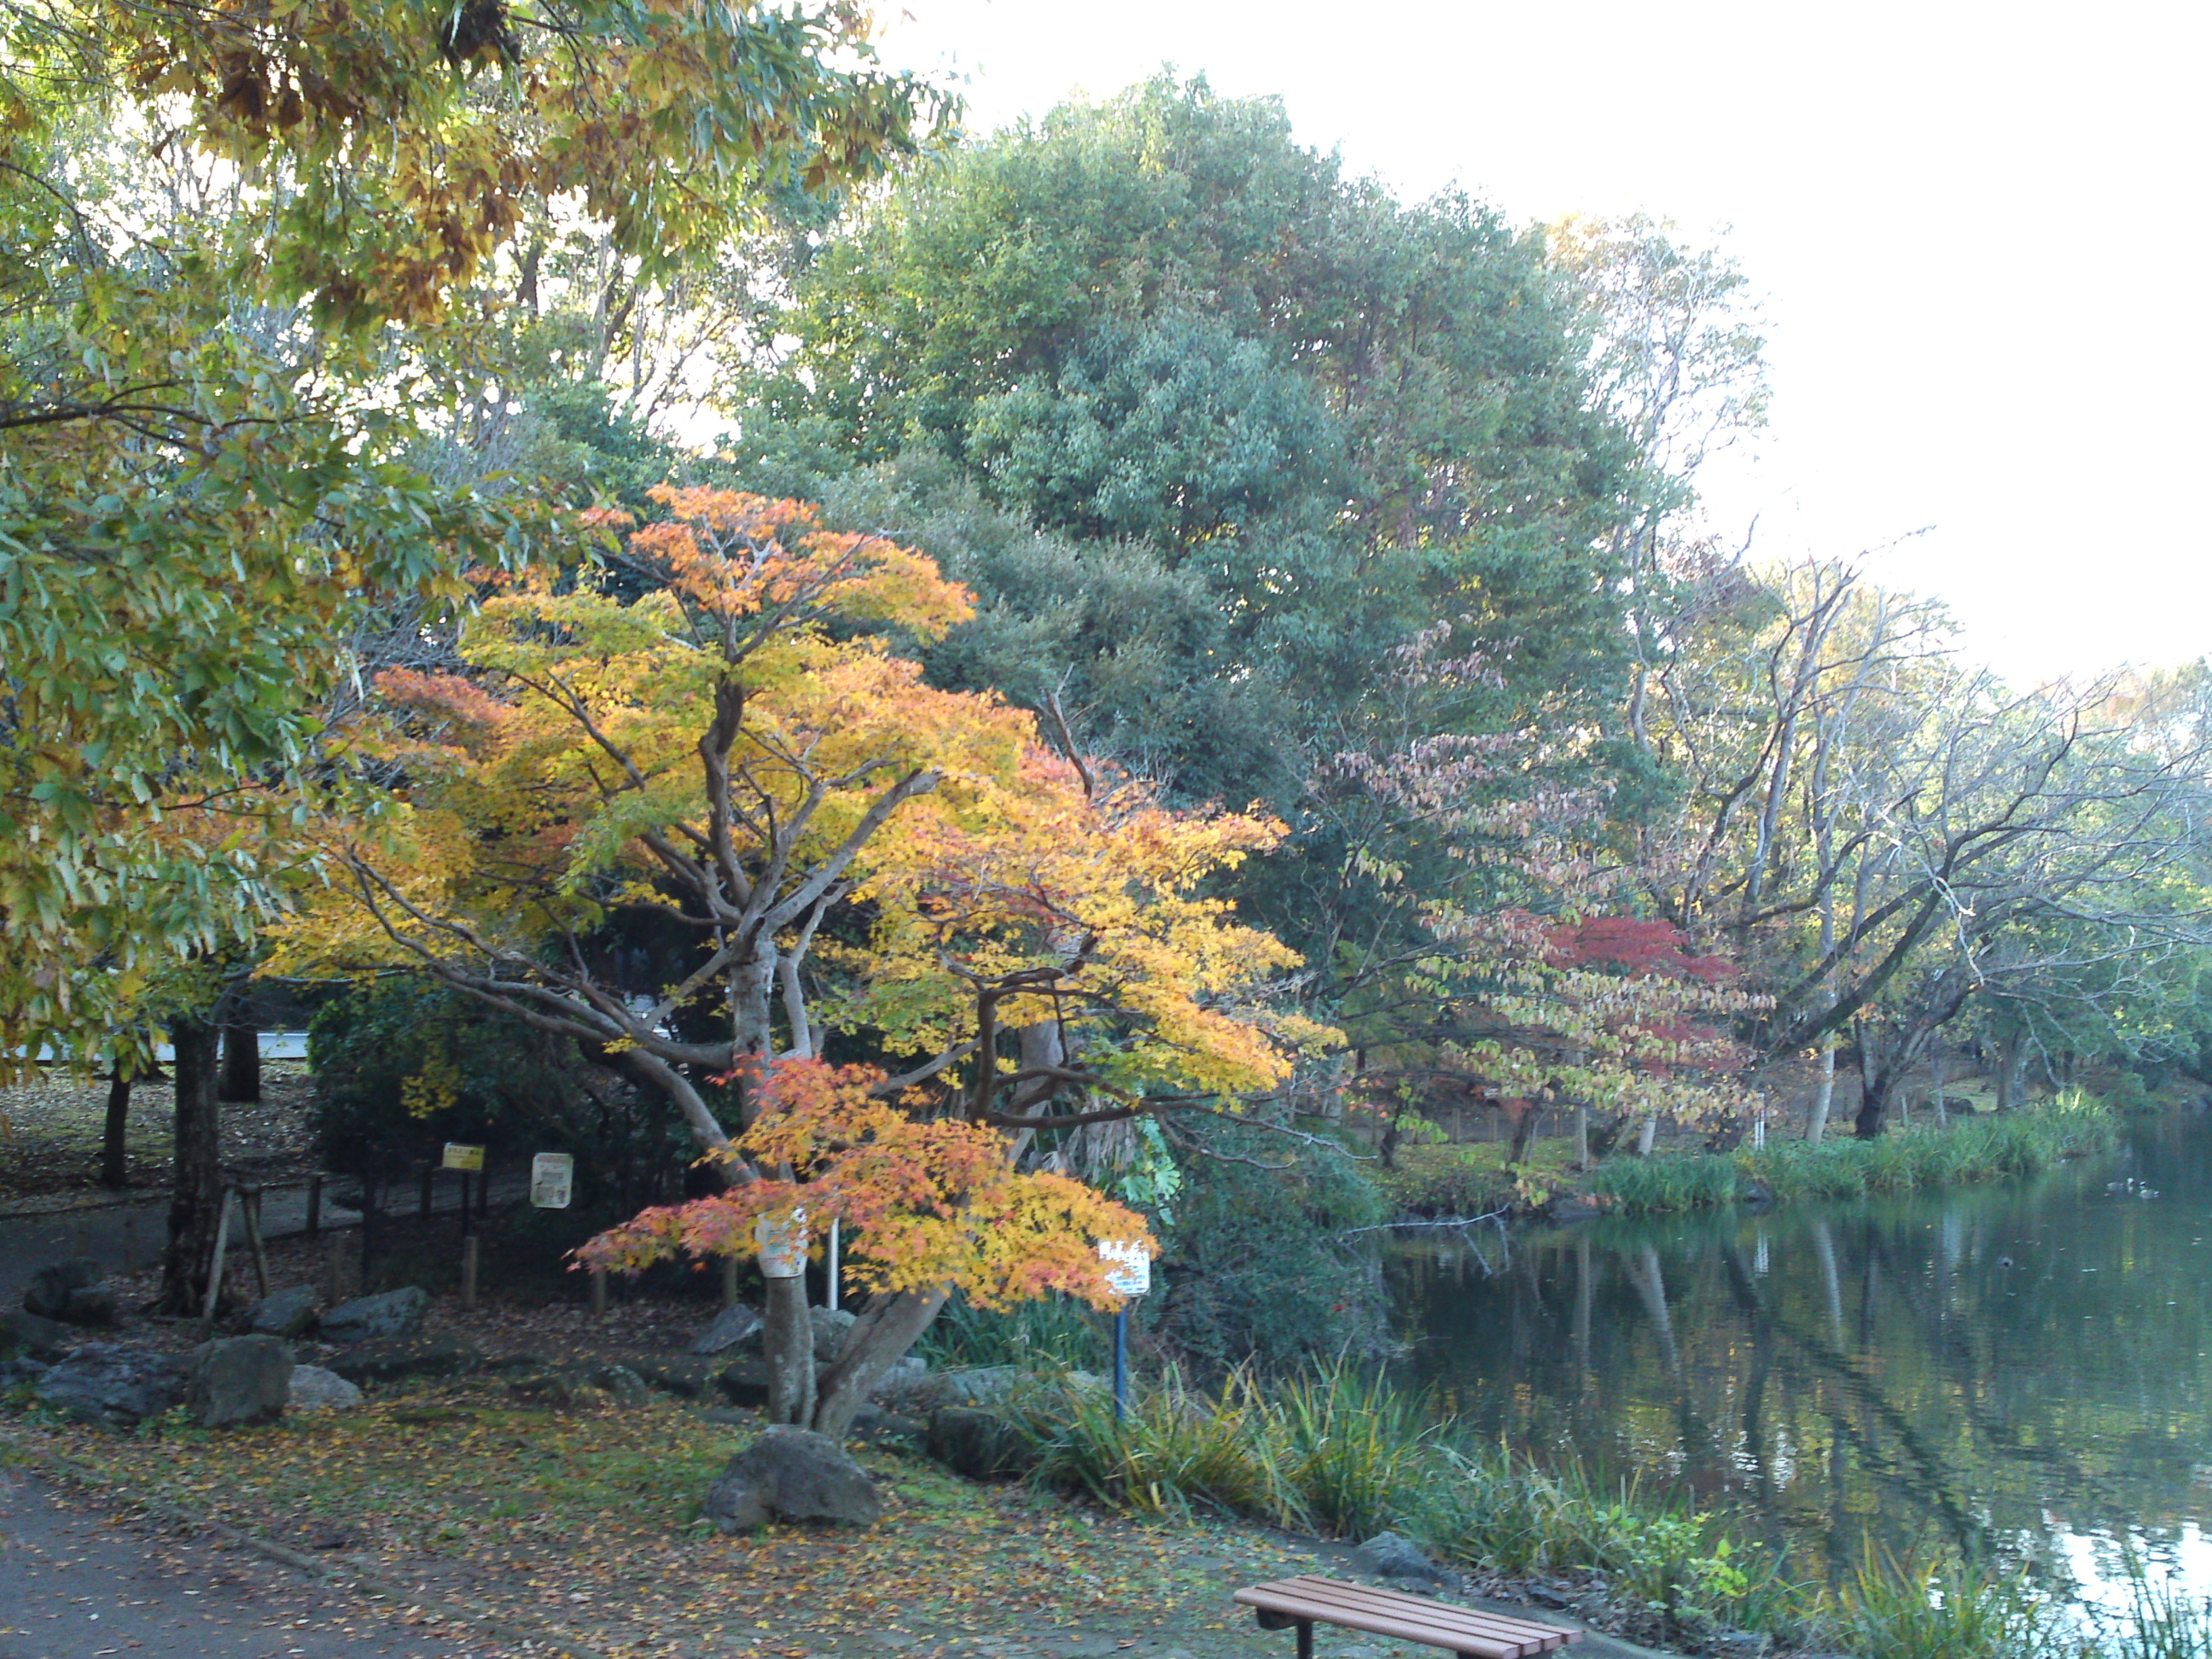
{"x":2022,"y":1364}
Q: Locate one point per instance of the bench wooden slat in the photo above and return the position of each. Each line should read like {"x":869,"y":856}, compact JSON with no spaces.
{"x":1339,"y":1602}
{"x":1417,"y":1609}
{"x":1408,"y":1618}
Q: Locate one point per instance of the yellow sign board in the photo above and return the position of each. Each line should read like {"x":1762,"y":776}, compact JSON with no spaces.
{"x":458,"y":1156}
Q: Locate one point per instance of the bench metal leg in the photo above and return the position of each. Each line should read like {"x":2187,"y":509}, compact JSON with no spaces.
{"x":1305,"y":1638}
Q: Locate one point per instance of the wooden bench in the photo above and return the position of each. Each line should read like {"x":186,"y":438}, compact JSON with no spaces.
{"x":1308,"y":1602}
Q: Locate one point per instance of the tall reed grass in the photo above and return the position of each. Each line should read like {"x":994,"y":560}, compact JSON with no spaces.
{"x":1339,"y":1452}
{"x":2024,"y":1142}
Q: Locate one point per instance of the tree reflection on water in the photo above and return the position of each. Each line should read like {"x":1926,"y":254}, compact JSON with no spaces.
{"x":2022,"y":1363}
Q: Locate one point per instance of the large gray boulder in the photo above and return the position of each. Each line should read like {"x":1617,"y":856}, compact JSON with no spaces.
{"x":288,"y":1314}
{"x":736,"y":1327}
{"x":793,"y":1474}
{"x":831,"y":1326}
{"x":71,"y":1291}
{"x":386,"y":1361}
{"x":236,"y":1380}
{"x":314,"y":1389}
{"x":27,"y":1334}
{"x":20,"y":1374}
{"x":109,"y":1382}
{"x":396,"y":1314}
{"x":979,"y":1445}
{"x":1387,"y":1555}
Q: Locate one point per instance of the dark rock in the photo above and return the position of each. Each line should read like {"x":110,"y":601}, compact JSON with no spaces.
{"x":40,"y":1339}
{"x":394,"y":1314}
{"x":289,"y":1313}
{"x":731,"y":1416}
{"x":971,"y":1387}
{"x":901,"y":1378}
{"x":876,"y":1424}
{"x":20,"y":1374}
{"x":625,"y":1384}
{"x":413,"y":1356}
{"x":1759,"y":1195}
{"x":563,"y":1389}
{"x":1572,"y":1206}
{"x":314,"y":1389}
{"x":51,"y":1289}
{"x":239,"y":1379}
{"x":831,"y":1326}
{"x":745,"y":1382}
{"x":791,"y":1474}
{"x":687,"y":1379}
{"x":980,"y":1444}
{"x":736,"y":1327}
{"x":518,"y":1364}
{"x":114,"y":1384}
{"x":1387,"y":1555}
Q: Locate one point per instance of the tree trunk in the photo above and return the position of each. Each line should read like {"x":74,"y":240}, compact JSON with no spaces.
{"x":1581,"y":1136}
{"x":114,"y":1146}
{"x":1936,"y":1085}
{"x":1525,"y":1131}
{"x":241,"y":1065}
{"x":787,"y":1344}
{"x":1646,"y":1135}
{"x":2012,"y":1062}
{"x":890,"y":1327}
{"x":1874,"y":1108}
{"x":197,"y":1200}
{"x":1824,"y":1096}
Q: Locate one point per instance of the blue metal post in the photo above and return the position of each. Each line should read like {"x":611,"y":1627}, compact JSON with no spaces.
{"x":1120,"y":1363}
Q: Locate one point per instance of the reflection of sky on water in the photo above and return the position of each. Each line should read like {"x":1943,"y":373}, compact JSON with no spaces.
{"x":2025,"y":1360}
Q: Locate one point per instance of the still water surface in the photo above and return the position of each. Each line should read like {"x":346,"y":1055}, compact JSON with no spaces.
{"x":2024,"y":1362}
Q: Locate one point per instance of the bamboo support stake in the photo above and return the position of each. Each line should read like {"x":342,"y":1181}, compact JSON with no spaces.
{"x":215,"y":1271}
{"x":249,"y":1205}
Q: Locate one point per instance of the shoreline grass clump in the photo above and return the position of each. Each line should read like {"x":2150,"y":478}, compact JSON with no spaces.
{"x":1338,"y":1453}
{"x":1912,"y":1159}
{"x":1471,"y":1179}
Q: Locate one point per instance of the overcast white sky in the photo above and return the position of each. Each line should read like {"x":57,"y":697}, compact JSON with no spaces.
{"x":1981,"y":231}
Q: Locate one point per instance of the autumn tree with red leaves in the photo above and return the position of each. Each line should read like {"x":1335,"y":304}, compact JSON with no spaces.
{"x":738,"y":754}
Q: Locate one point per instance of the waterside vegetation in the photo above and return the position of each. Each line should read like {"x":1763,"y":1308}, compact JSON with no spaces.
{"x":1473,"y":1180}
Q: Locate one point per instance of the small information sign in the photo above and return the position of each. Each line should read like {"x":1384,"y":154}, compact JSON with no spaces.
{"x":1129,"y":1266}
{"x":458,"y":1156}
{"x":552,"y":1178}
{"x":782,"y":1245}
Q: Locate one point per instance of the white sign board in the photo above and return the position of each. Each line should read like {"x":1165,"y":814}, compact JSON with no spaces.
{"x":782,"y":1245}
{"x":552,"y":1179}
{"x":1129,"y":1266}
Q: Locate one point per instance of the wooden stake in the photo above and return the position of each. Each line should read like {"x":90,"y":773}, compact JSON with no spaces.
{"x":314,"y":1206}
{"x":215,"y":1272}
{"x":249,"y":1204}
{"x":598,"y":1292}
{"x":469,"y":1273}
{"x":729,"y":1281}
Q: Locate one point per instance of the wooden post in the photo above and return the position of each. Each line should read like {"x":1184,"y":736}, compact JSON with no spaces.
{"x":314,"y":1206}
{"x":598,"y":1292}
{"x":729,"y":1281}
{"x":215,"y":1271}
{"x":249,"y":1205}
{"x":469,"y":1273}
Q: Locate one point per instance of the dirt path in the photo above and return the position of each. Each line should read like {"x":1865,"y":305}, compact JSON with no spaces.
{"x":75,"y":1583}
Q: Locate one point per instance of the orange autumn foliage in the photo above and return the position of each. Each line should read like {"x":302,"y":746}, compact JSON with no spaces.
{"x":923,"y":1202}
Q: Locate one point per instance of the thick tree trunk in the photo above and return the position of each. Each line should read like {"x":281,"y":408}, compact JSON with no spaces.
{"x":198,"y":1199}
{"x":241,"y":1065}
{"x":114,"y":1144}
{"x":1873,"y":1108}
{"x":885,"y":1332}
{"x":1824,"y":1096}
{"x":1525,"y":1131}
{"x":787,"y":1346}
{"x":2011,"y":1065}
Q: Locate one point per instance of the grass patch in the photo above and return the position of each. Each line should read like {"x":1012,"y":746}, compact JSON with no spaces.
{"x":589,"y":1520}
{"x":1473,"y":1180}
